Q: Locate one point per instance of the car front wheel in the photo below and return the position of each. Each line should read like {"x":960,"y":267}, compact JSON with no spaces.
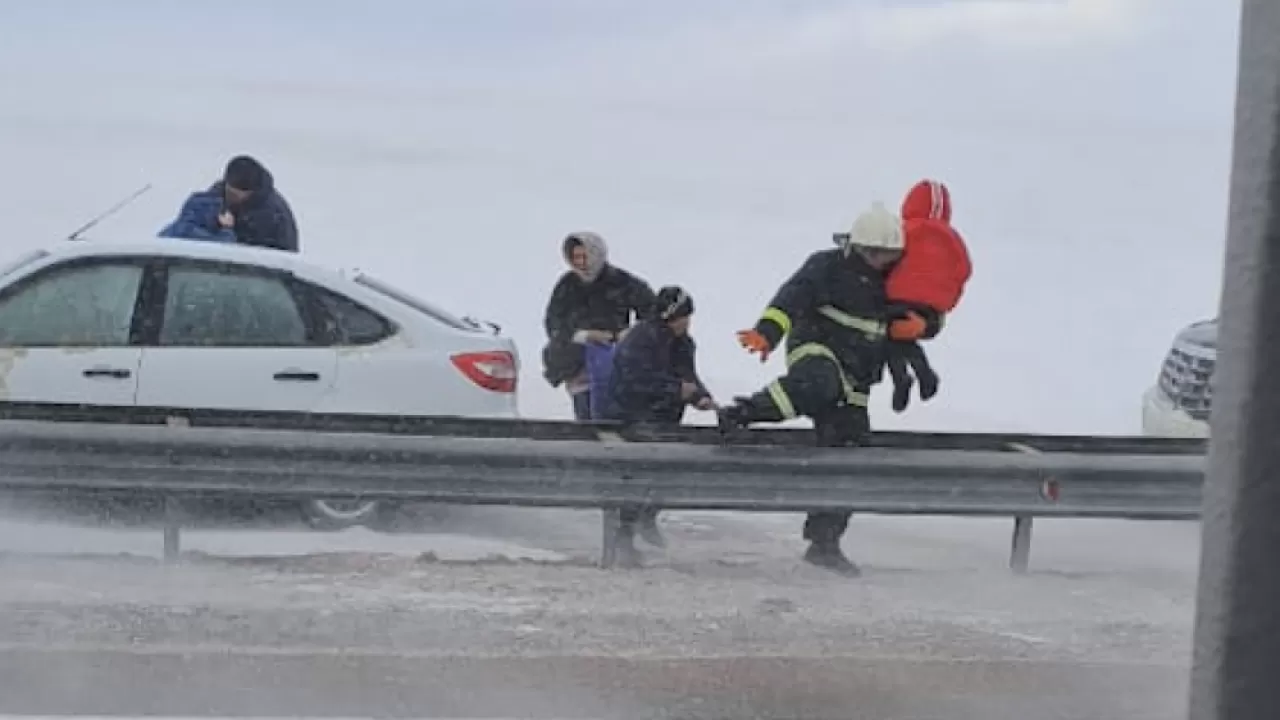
{"x":342,"y":513}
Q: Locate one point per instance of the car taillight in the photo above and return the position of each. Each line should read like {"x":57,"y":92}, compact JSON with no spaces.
{"x":494,"y":371}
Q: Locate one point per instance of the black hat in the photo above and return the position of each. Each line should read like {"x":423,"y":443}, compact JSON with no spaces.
{"x":245,"y":173}
{"x":674,"y":303}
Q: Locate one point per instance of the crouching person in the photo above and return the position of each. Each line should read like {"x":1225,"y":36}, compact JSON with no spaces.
{"x":654,"y":378}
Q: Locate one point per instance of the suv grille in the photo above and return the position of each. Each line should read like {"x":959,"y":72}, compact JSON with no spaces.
{"x":1187,"y":379}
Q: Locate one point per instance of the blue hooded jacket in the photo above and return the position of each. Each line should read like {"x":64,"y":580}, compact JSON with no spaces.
{"x":198,"y":220}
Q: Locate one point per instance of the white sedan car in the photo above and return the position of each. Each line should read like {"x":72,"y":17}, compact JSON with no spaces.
{"x":190,"y":324}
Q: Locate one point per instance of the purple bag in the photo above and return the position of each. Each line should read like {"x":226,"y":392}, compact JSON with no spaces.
{"x":599,"y":360}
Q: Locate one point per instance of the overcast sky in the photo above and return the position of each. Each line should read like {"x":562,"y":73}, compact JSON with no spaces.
{"x":448,"y":146}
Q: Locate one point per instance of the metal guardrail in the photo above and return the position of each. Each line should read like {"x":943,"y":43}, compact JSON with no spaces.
{"x":557,"y":429}
{"x":564,"y":430}
{"x":605,"y":471}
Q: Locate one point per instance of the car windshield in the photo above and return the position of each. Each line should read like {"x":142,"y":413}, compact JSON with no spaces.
{"x":414,"y":302}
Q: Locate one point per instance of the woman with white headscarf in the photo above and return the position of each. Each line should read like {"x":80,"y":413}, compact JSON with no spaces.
{"x":593,"y":302}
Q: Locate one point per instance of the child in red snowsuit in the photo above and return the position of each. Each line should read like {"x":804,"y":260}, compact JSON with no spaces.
{"x":923,"y":286}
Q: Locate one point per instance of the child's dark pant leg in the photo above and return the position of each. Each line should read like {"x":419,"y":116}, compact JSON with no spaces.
{"x":914,"y":355}
{"x":902,"y":381}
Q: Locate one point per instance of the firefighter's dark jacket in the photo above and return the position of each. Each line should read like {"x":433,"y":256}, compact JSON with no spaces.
{"x":838,"y":302}
{"x":649,"y":365}
{"x":606,"y":304}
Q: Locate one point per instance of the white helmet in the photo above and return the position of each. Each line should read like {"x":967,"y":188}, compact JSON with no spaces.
{"x":876,"y":228}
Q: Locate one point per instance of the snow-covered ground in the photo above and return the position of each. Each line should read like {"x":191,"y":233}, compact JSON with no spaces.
{"x":521,"y":581}
{"x":269,"y":619}
{"x":46,"y":539}
{"x":462,"y":533}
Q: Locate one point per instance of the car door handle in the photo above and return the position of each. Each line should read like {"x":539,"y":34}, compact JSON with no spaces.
{"x":117,"y":373}
{"x":297,"y":376}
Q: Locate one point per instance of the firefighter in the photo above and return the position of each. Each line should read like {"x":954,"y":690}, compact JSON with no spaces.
{"x":832,"y":313}
{"x":653,"y":380}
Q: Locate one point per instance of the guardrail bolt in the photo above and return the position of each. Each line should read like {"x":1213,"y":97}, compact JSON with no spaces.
{"x":1050,"y":490}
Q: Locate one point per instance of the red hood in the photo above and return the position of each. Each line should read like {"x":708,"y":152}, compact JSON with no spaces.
{"x":927,"y":200}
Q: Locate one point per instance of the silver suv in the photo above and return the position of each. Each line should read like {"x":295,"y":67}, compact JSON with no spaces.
{"x":1178,"y":404}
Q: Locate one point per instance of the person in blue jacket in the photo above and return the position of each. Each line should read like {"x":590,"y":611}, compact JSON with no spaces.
{"x":243,"y":207}
{"x":654,"y":378}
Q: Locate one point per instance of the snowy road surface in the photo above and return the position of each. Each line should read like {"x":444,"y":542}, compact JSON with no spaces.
{"x":500,"y":615}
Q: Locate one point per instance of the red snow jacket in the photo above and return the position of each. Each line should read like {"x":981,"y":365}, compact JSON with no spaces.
{"x":935,"y":262}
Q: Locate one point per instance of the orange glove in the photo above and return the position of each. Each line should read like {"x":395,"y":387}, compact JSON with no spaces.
{"x":754,"y":342}
{"x":910,"y":327}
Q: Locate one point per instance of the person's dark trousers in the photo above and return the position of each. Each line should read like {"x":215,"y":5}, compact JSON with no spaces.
{"x":845,"y":426}
{"x":646,"y":518}
{"x":581,"y":405}
{"x":632,"y":517}
{"x":643,"y":519}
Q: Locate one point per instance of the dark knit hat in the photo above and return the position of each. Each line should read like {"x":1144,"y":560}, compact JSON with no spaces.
{"x":245,"y":173}
{"x":674,"y":303}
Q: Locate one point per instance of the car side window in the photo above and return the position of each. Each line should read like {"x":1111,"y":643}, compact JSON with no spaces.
{"x":76,"y":305}
{"x":221,"y":307}
{"x":350,"y":323}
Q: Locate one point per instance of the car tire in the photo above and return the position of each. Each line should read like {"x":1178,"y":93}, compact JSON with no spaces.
{"x":343,"y":513}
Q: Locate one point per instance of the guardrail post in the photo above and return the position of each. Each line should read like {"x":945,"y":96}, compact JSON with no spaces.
{"x":172,"y":508}
{"x":611,"y":521}
{"x":1020,"y":552}
{"x":172,"y":525}
{"x":611,"y":518}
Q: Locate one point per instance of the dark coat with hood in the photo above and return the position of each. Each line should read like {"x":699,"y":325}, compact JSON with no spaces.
{"x":265,"y":218}
{"x":649,"y":367}
{"x":606,"y":299}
